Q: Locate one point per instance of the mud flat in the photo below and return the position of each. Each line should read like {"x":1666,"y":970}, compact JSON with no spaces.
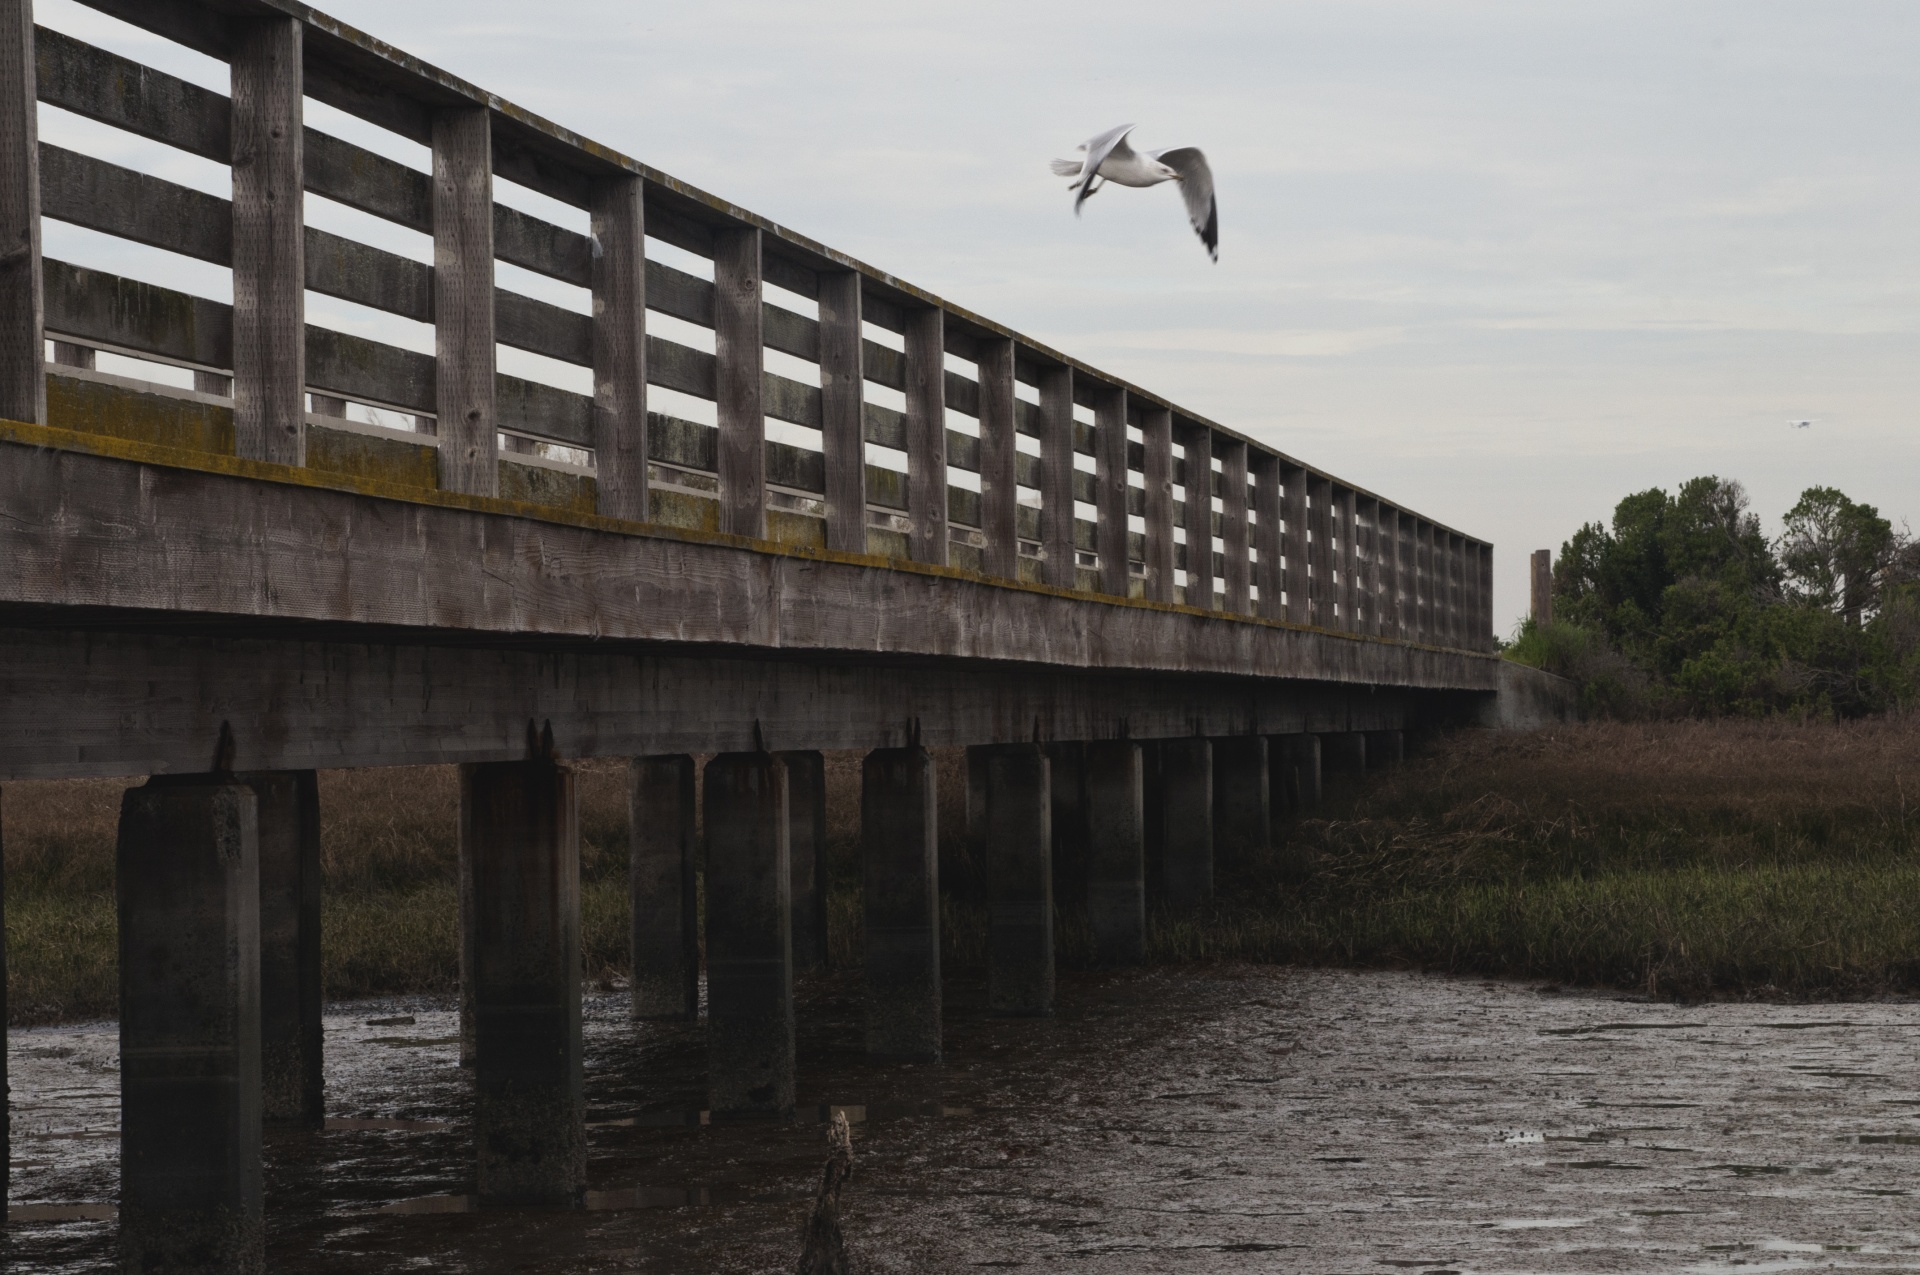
{"x":1233,"y":1118}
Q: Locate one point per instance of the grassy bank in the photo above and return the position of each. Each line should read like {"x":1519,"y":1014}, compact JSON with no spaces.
{"x":1682,"y":858}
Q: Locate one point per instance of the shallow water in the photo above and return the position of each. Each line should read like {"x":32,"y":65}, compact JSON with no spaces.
{"x":1197,"y":1120}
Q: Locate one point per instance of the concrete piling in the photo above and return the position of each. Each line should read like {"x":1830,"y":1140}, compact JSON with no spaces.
{"x":290,"y":992}
{"x":188,"y":881}
{"x":750,"y":1066}
{"x":1186,"y":821}
{"x":1344,"y":752}
{"x":1067,"y":789}
{"x":1385,"y":749}
{"x":520,"y":835}
{"x":1296,"y":771}
{"x":807,"y":856}
{"x":1116,"y":852}
{"x":1017,"y":823}
{"x":899,"y":853}
{"x":661,"y":835}
{"x":1242,"y":815}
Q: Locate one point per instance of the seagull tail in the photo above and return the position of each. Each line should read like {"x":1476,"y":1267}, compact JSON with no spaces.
{"x":1066,"y":167}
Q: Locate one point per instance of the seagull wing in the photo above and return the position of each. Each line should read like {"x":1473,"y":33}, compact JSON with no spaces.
{"x":1111,"y":142}
{"x":1196,"y":187}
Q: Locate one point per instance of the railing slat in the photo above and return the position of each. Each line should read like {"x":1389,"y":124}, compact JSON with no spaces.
{"x":23,"y":385}
{"x":927,"y":434}
{"x":367,"y":276}
{"x":140,"y":317}
{"x":531,"y":243}
{"x":540,"y":327}
{"x":1056,"y":476}
{"x":738,"y":327}
{"x":373,"y":184}
{"x":1293,"y":509}
{"x":1110,"y":487}
{"x":93,"y":193}
{"x":91,"y":82}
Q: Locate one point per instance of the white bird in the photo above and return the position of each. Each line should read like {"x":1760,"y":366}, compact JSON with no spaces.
{"x":1110,"y":159}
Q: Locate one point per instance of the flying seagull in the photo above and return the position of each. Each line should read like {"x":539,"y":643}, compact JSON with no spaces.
{"x":1110,"y":159}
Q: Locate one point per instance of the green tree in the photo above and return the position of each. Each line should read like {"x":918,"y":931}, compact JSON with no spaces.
{"x":1837,"y":553}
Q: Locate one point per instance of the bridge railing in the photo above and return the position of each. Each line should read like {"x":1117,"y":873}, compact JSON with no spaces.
{"x":1223,"y":523}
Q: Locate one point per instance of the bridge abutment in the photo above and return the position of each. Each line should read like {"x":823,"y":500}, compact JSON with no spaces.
{"x":660,"y":875}
{"x":290,"y":992}
{"x":807,"y":856}
{"x":750,"y":1058}
{"x":1017,"y":815}
{"x":899,"y":851}
{"x":1116,"y":851}
{"x":1242,"y":812}
{"x":519,"y":834}
{"x":1186,"y":820}
{"x":188,"y":880}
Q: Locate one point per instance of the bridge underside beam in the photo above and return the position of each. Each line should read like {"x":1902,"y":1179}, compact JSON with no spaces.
{"x":106,"y":701}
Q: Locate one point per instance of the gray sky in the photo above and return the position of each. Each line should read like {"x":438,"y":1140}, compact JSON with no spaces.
{"x":1501,"y":262}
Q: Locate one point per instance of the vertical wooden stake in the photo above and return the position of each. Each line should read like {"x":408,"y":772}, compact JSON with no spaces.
{"x":842,"y":410}
{"x":1110,"y":486}
{"x":23,"y":377}
{"x":739,"y":344}
{"x":999,"y":492}
{"x":927,"y":434}
{"x":1156,"y":430}
{"x":1271,"y":576}
{"x":1056,"y":476}
{"x":620,"y":348}
{"x":468,"y":424}
{"x":1233,"y":523}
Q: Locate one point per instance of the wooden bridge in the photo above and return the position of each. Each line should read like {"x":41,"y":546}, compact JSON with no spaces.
{"x":897,"y":525}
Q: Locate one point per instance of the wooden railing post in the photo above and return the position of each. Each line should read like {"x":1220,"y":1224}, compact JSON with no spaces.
{"x":1486,"y":597}
{"x":1056,"y":476}
{"x":1271,"y":575}
{"x":1396,"y":575}
{"x":1110,"y":488}
{"x":1156,"y":434}
{"x":1293,"y":508}
{"x":468,"y":423}
{"x":1456,"y":590}
{"x":1320,"y":524}
{"x":1369,"y":570}
{"x":999,"y":482}
{"x":843,"y":397}
{"x":23,"y":377}
{"x":269,"y":237}
{"x":1197,"y":441}
{"x":1348,"y":559}
{"x":739,"y":349}
{"x":1429,"y":582}
{"x":619,"y":278}
{"x":1234,"y":540}
{"x":927,"y":434}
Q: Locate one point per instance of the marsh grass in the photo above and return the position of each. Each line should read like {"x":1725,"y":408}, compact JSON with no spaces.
{"x":1679,"y":858}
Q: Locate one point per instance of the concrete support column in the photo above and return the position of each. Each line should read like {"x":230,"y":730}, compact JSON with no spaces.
{"x":749,"y":936}
{"x":1017,"y":823}
{"x":6,"y":1133}
{"x":1186,"y":811}
{"x":899,"y":853}
{"x":1067,"y":773}
{"x":807,"y":856}
{"x":661,"y":822}
{"x":1296,"y":772}
{"x":188,"y":880}
{"x":1242,"y":814}
{"x":290,"y":992}
{"x":520,"y":833}
{"x":1385,"y":749}
{"x":1116,"y":852}
{"x":1344,"y":752}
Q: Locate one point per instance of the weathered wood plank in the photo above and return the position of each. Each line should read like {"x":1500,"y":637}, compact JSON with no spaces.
{"x":842,"y":414}
{"x":463,"y":294}
{"x":141,"y":317}
{"x":529,"y":407}
{"x":269,"y":239}
{"x":1367,"y":571}
{"x":1110,"y":488}
{"x":1293,"y":512}
{"x":1157,"y":507}
{"x":85,"y":191}
{"x":370,"y":371}
{"x":619,"y":280}
{"x":1264,"y":470}
{"x":1056,"y":491}
{"x":789,"y":400}
{"x":542,"y":247}
{"x":1346,"y":597}
{"x":540,"y":327}
{"x":373,"y":184}
{"x":1234,"y":538}
{"x":1197,"y":509}
{"x":739,"y":383}
{"x":1320,"y":524}
{"x":352,"y":271}
{"x":927,"y":435}
{"x":91,"y":82}
{"x":23,"y":383}
{"x":999,"y":477}
{"x":679,"y":294}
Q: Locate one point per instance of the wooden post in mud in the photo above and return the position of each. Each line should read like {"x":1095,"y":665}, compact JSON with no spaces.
{"x":290,"y":991}
{"x":520,"y":831}
{"x":1017,"y":819}
{"x":899,"y":854}
{"x":806,"y":856}
{"x":188,"y":879}
{"x":1296,"y":771}
{"x":1186,"y":813}
{"x":660,"y":839}
{"x":1343,"y":752}
{"x":1116,"y":852}
{"x":1242,"y":817}
{"x":749,"y":936}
